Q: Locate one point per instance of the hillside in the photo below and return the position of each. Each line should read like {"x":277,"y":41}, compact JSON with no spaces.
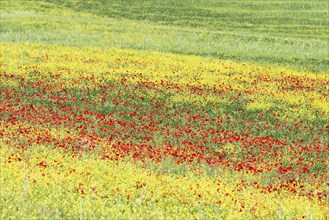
{"x":164,"y":110}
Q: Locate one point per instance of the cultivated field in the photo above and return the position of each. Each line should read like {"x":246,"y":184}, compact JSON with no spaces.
{"x":164,"y":110}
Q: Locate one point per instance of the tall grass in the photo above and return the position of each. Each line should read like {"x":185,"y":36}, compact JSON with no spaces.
{"x":88,"y":132}
{"x":290,"y":33}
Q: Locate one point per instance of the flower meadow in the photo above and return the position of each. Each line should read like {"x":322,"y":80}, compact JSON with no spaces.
{"x":125,"y":134}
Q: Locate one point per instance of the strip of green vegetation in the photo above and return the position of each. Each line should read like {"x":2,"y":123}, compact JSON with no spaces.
{"x":290,"y":33}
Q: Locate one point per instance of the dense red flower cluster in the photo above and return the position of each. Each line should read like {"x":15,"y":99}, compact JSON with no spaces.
{"x":133,"y":122}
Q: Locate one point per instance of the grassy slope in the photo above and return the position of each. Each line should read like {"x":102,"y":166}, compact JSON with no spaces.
{"x":136,"y":102}
{"x":290,"y":33}
{"x":42,"y":182}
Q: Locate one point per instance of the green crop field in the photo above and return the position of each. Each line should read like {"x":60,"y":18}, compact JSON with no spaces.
{"x":164,"y":109}
{"x":293,"y":33}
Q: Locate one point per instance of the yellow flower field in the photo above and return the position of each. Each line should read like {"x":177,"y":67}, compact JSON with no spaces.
{"x":110,"y":133}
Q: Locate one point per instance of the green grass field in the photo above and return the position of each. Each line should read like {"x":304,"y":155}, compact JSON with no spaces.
{"x":288,"y":33}
{"x":164,"y":109}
